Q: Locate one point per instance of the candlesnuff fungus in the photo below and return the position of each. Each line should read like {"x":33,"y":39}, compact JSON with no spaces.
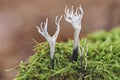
{"x":74,"y":18}
{"x":51,"y":39}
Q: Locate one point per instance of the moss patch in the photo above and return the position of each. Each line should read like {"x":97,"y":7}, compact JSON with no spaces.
{"x":103,"y":60}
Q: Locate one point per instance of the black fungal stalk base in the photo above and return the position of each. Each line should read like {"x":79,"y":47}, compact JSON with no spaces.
{"x":75,"y":54}
{"x":52,"y":63}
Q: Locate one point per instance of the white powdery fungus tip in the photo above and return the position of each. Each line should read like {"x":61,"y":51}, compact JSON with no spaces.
{"x":74,"y":17}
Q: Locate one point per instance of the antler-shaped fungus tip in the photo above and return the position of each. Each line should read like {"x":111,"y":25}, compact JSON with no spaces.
{"x":73,"y":17}
{"x":43,"y":29}
{"x":79,"y":11}
{"x":72,"y":11}
{"x":57,"y":22}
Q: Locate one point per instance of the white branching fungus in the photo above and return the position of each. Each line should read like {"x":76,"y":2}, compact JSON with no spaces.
{"x":51,"y":39}
{"x":74,"y":18}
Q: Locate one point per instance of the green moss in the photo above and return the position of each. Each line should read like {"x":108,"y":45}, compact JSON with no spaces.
{"x":103,"y":60}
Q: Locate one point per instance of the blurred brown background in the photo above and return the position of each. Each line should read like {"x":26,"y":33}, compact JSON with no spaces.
{"x":18,"y":19}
